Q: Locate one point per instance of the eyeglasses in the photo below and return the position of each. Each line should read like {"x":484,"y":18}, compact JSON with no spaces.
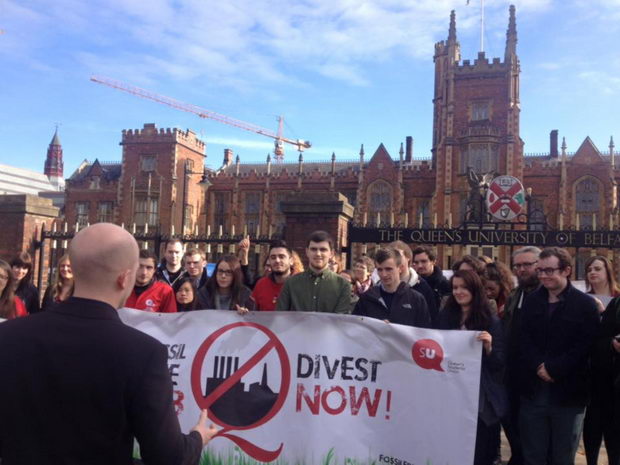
{"x":225,"y":272}
{"x":518,"y":266}
{"x":547,"y":271}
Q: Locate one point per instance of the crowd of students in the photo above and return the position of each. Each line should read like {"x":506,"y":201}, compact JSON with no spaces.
{"x":548,"y":349}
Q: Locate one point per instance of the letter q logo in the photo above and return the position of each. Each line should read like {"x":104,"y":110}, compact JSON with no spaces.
{"x":428,"y":354}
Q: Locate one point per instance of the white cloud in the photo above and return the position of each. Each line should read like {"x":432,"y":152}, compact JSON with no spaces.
{"x":248,"y":43}
{"x":603,"y":82}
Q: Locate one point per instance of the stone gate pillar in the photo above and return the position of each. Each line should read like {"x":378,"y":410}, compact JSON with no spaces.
{"x":22,"y":217}
{"x":310,"y":211}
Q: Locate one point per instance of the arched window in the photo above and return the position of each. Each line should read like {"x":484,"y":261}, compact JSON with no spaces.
{"x":379,"y":202}
{"x":482,"y":158}
{"x":587,"y":202}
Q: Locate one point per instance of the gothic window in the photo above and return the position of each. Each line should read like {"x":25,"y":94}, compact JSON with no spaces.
{"x":189,"y":214}
{"x":479,"y":111}
{"x":146,"y":211}
{"x":105,"y":212}
{"x":536,"y":211}
{"x":222,"y":207}
{"x":81,"y":211}
{"x":587,"y":203}
{"x":279,"y":218}
{"x":379,"y":202}
{"x":424,"y":214}
{"x":147,"y":163}
{"x":462,"y":214}
{"x":94,"y":182}
{"x":482,"y":158}
{"x":252,"y":211}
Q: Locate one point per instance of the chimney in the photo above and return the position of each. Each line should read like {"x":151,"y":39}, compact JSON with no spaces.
{"x":409,"y":149}
{"x":553,"y":143}
{"x":228,"y":157}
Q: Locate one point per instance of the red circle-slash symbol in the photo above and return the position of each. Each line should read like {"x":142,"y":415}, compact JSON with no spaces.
{"x":205,"y":402}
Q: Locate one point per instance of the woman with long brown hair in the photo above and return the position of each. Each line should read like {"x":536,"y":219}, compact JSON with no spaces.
{"x":11,"y":306}
{"x":62,"y":286}
{"x":467,"y":308}
{"x":498,"y":284}
{"x":600,"y":279}
{"x":225,"y":289}
{"x":21,"y":267}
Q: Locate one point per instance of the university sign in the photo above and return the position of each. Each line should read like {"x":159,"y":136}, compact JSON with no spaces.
{"x":480,"y":237}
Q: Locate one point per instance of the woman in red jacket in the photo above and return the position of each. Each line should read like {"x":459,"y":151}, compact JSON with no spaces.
{"x":11,"y":306}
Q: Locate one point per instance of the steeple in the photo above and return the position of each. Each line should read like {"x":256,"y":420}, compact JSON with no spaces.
{"x":53,"y":168}
{"x":511,"y":36}
{"x":452,"y":31}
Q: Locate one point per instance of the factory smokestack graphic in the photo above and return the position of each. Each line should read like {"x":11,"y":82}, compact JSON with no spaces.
{"x":238,"y":407}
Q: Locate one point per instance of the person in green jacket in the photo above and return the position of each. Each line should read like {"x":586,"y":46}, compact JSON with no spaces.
{"x":317,"y":289}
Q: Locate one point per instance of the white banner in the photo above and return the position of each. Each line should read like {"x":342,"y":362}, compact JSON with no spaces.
{"x":318,"y":388}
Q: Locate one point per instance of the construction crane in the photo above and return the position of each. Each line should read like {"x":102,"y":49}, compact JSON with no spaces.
{"x":279,"y":139}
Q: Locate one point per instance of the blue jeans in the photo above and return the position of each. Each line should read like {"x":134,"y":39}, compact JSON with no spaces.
{"x":549,"y":433}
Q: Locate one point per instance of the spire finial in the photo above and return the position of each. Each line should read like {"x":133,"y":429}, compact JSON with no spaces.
{"x":452,"y":31}
{"x":564,"y":144}
{"x":511,"y":35}
{"x":362,"y":152}
{"x":611,"y":142}
{"x":268,"y":158}
{"x":333,"y":156}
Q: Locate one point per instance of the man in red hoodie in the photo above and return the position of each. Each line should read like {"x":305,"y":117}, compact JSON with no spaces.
{"x":149,"y":294}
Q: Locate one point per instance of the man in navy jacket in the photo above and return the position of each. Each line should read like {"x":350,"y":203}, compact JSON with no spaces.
{"x":559,"y":325}
{"x":391,"y":299}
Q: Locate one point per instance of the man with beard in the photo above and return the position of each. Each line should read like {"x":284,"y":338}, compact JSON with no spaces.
{"x":524,"y":262}
{"x":268,"y":287}
{"x":425,"y":264}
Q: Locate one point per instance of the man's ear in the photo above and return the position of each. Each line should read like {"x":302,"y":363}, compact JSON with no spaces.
{"x":122,"y":280}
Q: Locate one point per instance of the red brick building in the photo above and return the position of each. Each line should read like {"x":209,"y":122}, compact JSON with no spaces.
{"x":475,"y":124}
{"x":154,"y":186}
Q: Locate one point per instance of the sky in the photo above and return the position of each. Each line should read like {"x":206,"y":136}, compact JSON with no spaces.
{"x":341,"y":72}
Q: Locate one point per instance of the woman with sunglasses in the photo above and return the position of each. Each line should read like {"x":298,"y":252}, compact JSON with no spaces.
{"x":225,"y":290}
{"x":467,"y":308}
{"x":11,"y":306}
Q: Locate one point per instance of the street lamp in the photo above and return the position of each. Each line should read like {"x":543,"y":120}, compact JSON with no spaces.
{"x":204,"y":184}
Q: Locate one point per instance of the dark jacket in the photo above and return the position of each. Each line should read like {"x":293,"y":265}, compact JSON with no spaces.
{"x":83,"y":387}
{"x":511,"y":322}
{"x":561,"y":341}
{"x":206,"y":301}
{"x":439,"y":284}
{"x":30,"y":296}
{"x":162,"y":274}
{"x":419,"y":284}
{"x":493,"y":403}
{"x":408,"y":307}
{"x":605,"y":377}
